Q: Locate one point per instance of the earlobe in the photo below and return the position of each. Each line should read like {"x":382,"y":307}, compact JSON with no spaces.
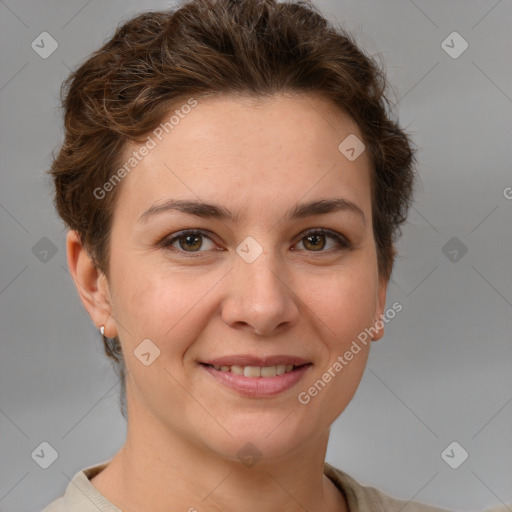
{"x":381,"y":304}
{"x":91,"y":284}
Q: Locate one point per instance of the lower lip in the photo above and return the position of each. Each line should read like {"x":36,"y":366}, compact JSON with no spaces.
{"x":258,"y":387}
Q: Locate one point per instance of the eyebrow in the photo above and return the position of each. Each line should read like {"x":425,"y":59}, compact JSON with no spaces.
{"x":209,"y":210}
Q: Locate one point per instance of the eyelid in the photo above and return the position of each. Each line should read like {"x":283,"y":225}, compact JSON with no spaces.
{"x":168,"y":241}
{"x":338,"y":237}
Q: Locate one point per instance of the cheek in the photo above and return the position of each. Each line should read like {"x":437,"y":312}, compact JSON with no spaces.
{"x":345,"y":301}
{"x":168,"y":308}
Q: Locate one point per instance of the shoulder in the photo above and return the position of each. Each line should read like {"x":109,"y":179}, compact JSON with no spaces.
{"x":55,"y":506}
{"x":364,"y":498}
{"x":81,"y":496}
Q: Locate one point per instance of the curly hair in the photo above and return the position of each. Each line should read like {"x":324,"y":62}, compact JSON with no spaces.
{"x":257,"y":48}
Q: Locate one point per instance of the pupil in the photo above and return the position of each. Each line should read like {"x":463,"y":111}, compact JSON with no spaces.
{"x":313,"y":240}
{"x":316,"y":245}
{"x":189,"y":244}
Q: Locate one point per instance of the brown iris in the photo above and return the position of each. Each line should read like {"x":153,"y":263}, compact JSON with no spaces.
{"x":318,"y":242}
{"x":189,"y":242}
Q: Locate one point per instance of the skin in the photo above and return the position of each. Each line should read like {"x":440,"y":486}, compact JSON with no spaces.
{"x":257,"y":159}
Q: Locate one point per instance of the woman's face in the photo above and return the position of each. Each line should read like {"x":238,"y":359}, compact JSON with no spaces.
{"x":258,"y":281}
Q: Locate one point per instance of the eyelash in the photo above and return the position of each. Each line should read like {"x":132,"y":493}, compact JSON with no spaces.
{"x":167,"y":243}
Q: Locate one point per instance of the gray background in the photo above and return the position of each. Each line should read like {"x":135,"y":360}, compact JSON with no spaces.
{"x":442,"y":372}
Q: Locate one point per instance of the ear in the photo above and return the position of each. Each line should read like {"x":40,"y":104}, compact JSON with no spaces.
{"x":381,"y":304}
{"x":91,"y":284}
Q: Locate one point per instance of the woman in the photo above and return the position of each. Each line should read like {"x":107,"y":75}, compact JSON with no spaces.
{"x":233,"y":184}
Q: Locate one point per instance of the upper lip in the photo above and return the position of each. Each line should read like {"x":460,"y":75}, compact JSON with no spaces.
{"x":249,"y":360}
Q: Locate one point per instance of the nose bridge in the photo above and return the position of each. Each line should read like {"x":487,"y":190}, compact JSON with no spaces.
{"x":261,"y":278}
{"x":258,"y":296}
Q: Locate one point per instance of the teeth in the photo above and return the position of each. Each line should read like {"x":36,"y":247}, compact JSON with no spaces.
{"x":257,"y":371}
{"x":269,"y":371}
{"x":252,"y":371}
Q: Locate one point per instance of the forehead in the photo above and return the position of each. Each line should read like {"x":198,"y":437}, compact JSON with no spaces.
{"x":243,"y":150}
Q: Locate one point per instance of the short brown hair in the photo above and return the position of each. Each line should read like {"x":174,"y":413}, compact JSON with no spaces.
{"x":252,"y":47}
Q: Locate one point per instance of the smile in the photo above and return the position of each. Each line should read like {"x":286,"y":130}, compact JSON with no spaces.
{"x":257,"y":371}
{"x":257,"y":381}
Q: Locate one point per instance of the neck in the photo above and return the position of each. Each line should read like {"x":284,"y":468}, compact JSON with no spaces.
{"x":164,"y":472}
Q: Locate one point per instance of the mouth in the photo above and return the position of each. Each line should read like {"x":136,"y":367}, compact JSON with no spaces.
{"x":258,"y":381}
{"x":257,"y":371}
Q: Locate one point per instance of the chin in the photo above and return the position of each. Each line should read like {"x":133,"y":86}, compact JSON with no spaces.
{"x":272,"y":438}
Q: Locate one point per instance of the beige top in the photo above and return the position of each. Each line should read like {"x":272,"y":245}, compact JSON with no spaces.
{"x":81,"y":496}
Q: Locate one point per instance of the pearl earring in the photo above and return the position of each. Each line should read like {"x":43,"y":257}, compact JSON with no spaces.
{"x":102,"y":330}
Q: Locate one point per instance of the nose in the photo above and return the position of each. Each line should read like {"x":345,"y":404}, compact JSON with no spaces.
{"x":259,"y":298}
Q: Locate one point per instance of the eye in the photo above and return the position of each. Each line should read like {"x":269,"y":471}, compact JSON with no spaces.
{"x":315,"y":240}
{"x":189,"y":241}
{"x":193,"y":240}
